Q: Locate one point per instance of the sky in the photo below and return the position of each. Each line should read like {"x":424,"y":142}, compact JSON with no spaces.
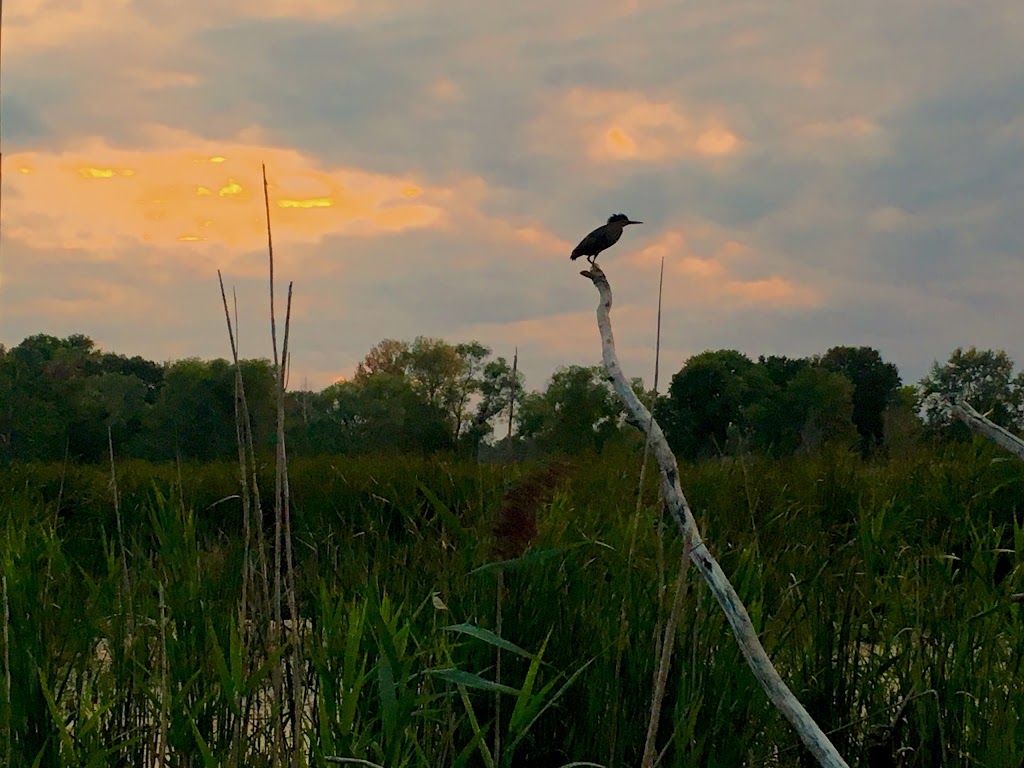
{"x":813,"y":173}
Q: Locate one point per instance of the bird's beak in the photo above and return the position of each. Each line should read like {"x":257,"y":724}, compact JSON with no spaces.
{"x":634,"y":222}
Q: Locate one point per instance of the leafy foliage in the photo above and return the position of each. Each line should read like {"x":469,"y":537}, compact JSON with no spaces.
{"x":882,"y":591}
{"x":984,"y":378}
{"x":60,"y":397}
{"x":875,"y":384}
{"x":577,"y":412}
{"x":721,"y":402}
{"x":707,"y":397}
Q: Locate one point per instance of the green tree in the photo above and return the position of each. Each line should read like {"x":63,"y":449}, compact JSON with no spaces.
{"x":382,"y":413}
{"x":108,"y":401}
{"x":984,"y":378}
{"x":498,"y":388}
{"x":43,"y":379}
{"x":472,"y":360}
{"x":708,"y":398}
{"x":434,"y":368}
{"x":60,"y":395}
{"x":772,"y":425}
{"x":387,"y":356}
{"x":577,"y":412}
{"x":194,"y":414}
{"x":780,"y":369}
{"x":875,"y":384}
{"x":819,"y":404}
{"x":446,"y":377}
{"x":904,"y":427}
{"x":149,"y":373}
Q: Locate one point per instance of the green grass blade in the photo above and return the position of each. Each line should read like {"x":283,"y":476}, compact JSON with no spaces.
{"x":470,"y":680}
{"x":489,"y":637}
{"x":478,"y":732}
{"x":466,"y":539}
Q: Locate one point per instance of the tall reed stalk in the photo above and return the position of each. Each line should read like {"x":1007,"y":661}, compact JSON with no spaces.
{"x":284,"y":576}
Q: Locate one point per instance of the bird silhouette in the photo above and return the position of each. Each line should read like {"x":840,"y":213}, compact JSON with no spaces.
{"x":603,"y":237}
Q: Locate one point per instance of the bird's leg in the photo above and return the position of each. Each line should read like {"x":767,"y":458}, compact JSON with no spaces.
{"x":588,"y":273}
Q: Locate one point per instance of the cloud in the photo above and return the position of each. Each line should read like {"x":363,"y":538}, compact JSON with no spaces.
{"x":711,"y":273}
{"x":39,"y":25}
{"x":615,"y":126}
{"x":187,"y":191}
{"x":813,"y":174}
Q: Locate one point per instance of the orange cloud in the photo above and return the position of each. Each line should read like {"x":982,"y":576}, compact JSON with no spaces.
{"x":185,"y":189}
{"x":542,"y":239}
{"x":40,"y":24}
{"x":701,"y":268}
{"x":772,"y":291}
{"x":446,"y":91}
{"x":711,"y":279}
{"x":623,"y":125}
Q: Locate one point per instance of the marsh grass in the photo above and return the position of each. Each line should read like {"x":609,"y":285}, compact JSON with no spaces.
{"x":881,"y":590}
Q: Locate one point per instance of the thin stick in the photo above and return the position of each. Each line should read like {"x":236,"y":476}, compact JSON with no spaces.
{"x":499,"y":600}
{"x":165,"y":693}
{"x":7,"y":672}
{"x":293,"y":609}
{"x":63,"y":474}
{"x":736,"y":614}
{"x":662,"y":584}
{"x":57,"y":507}
{"x":278,"y":511}
{"x":270,"y":252}
{"x":620,"y":644}
{"x":512,"y":401}
{"x":665,"y":662}
{"x":282,"y":514}
{"x":248,"y":575}
{"x":500,"y":587}
{"x":117,"y":515}
{"x":669,"y":634}
{"x":261,"y":550}
{"x":242,"y":465}
{"x":126,"y":606}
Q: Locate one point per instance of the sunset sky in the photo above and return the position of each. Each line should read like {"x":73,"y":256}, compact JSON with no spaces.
{"x":814,"y":173}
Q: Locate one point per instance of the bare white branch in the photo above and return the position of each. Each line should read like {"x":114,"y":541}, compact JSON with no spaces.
{"x":812,"y":736}
{"x":978,"y":423}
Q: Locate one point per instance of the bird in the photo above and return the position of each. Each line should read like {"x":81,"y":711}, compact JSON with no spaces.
{"x":603,"y":237}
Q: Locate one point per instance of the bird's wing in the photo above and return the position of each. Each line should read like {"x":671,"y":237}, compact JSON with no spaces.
{"x":586,"y":243}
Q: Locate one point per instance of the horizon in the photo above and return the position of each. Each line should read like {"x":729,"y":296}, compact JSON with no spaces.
{"x":647,"y":381}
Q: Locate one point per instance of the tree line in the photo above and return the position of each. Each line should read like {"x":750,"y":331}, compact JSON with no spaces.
{"x":66,"y":399}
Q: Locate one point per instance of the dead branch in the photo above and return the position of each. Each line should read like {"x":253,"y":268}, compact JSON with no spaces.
{"x":812,"y":736}
{"x":978,"y":423}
